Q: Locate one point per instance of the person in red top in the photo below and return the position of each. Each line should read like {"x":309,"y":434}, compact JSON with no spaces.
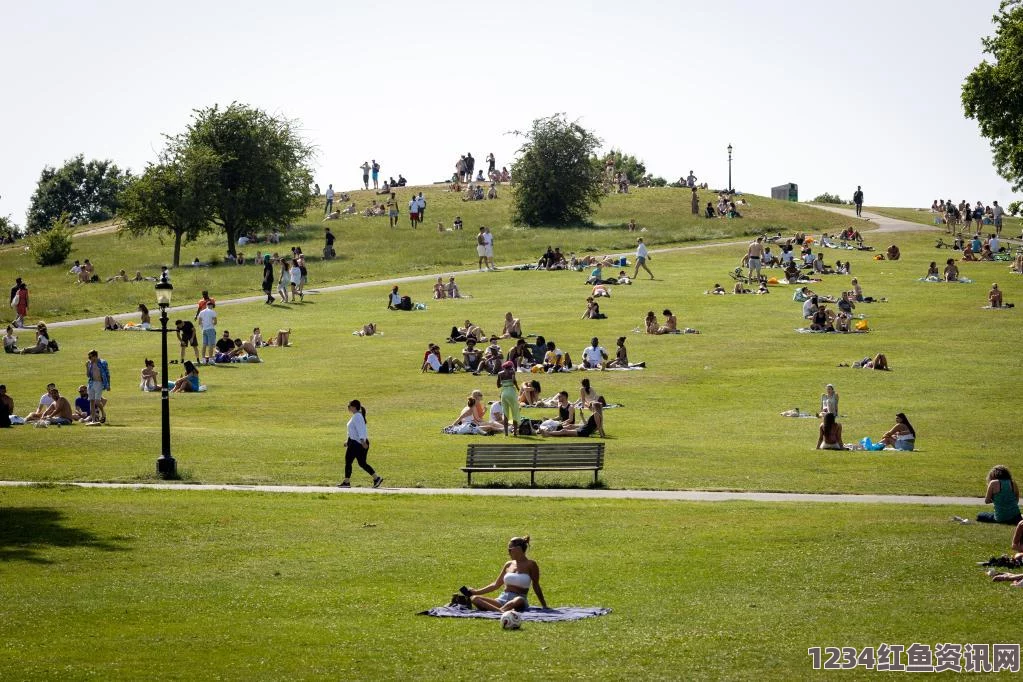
{"x":203,"y":302}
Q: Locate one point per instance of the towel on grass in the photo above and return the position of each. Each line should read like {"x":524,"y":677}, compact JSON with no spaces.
{"x":807,"y":330}
{"x":630,"y":368}
{"x":938,"y":280}
{"x":533,"y":614}
{"x":1004,"y":306}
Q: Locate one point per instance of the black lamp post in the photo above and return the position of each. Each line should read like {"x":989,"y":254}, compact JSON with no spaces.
{"x":729,"y":169}
{"x":166,"y":467}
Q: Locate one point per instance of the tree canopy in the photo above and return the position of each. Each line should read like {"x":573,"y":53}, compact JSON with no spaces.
{"x":993,"y":92}
{"x":174,"y":195}
{"x":86,"y":192}
{"x":260,"y":164}
{"x":556,"y":181}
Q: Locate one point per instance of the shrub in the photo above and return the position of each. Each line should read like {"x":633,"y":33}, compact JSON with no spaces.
{"x":53,"y":246}
{"x":830,"y":199}
{"x":1015,"y":207}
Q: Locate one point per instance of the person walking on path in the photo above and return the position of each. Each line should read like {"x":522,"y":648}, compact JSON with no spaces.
{"x":481,"y":247}
{"x":330,"y":200}
{"x":284,"y":281}
{"x":268,"y":279}
{"x":365,"y":174}
{"x":488,"y":248}
{"x":19,"y":300}
{"x":98,"y":374}
{"x":208,"y":322}
{"x":858,"y":200}
{"x":642,"y":256}
{"x":376,"y":174}
{"x":357,"y":445}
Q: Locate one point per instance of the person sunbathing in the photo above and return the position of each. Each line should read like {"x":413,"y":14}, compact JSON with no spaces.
{"x":762,"y":288}
{"x":188,"y":383}
{"x":650,"y":323}
{"x":623,"y":278}
{"x":42,"y":343}
{"x":932,"y":271}
{"x":148,"y":376}
{"x":244,"y":351}
{"x":842,"y":322}
{"x":878,"y":362}
{"x":451,"y":289}
{"x":119,"y":277}
{"x":820,"y":321}
{"x":893,"y":252}
{"x":333,"y":215}
{"x":670,"y":325}
{"x":600,"y":291}
{"x":367,"y":330}
{"x":621,"y":359}
{"x":439,"y":291}
{"x":902,"y":436}
{"x":592,"y":311}
{"x":829,"y":436}
{"x":529,"y":393}
{"x":740,"y":289}
{"x":493,"y":356}
{"x":717,"y":289}
{"x":985,"y":253}
{"x":595,"y":424}
{"x":350,"y":209}
{"x":951,"y":272}
{"x":521,"y":355}
{"x":994,"y":298}
{"x":281,"y":339}
{"x":512,"y":328}
{"x":968,"y":253}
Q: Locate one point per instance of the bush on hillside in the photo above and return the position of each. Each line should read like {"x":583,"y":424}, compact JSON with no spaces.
{"x":53,"y":246}
{"x":556,"y":181}
{"x":1015,"y":207}
{"x":9,"y":230}
{"x":830,"y":199}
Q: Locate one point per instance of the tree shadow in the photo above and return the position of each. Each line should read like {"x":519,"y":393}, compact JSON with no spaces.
{"x":25,"y":532}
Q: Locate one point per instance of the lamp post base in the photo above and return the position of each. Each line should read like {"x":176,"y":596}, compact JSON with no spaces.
{"x":167,"y":468}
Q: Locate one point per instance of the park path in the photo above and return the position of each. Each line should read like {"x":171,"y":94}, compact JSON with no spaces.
{"x":550,"y":493}
{"x":883,"y":224}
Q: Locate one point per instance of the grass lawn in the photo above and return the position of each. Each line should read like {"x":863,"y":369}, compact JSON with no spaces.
{"x":368,"y":249}
{"x":1011,"y":227}
{"x":705,"y":414}
{"x":164,"y":585}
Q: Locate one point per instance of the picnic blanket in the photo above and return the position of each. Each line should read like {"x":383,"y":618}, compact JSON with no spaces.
{"x":533,"y":614}
{"x":939,"y":280}
{"x":631,"y":368}
{"x":807,"y":330}
{"x":1004,"y":306}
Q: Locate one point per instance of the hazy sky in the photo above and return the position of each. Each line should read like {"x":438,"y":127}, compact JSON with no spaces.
{"x":823,"y":93}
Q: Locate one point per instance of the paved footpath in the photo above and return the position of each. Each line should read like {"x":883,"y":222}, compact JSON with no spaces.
{"x":574,"y":493}
{"x":882,"y":224}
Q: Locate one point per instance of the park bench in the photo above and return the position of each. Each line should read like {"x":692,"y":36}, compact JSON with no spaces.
{"x":533,"y":457}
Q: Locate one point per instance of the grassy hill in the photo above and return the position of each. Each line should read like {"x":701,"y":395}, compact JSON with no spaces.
{"x":369,"y":249}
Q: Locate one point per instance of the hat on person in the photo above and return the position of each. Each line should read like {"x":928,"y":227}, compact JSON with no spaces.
{"x":507,"y":364}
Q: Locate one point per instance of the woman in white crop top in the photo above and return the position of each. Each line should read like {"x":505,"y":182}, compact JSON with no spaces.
{"x":516,"y":578}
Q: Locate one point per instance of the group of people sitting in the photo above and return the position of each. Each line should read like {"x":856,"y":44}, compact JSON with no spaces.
{"x":570,"y":421}
{"x":42,"y":343}
{"x":474,"y":192}
{"x":824,"y":319}
{"x":350,"y":209}
{"x":449,"y":290}
{"x":53,"y":409}
{"x":978,"y":249}
{"x":902,"y":436}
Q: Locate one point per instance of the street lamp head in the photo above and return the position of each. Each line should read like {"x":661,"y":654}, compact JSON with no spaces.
{"x":729,"y":149}
{"x":163,"y":293}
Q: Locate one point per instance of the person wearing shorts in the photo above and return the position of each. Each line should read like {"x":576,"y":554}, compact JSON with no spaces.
{"x":186,"y":335}
{"x":754,"y":254}
{"x":413,"y":211}
{"x":392,"y":209}
{"x":365,"y":174}
{"x":98,"y":374}
{"x":488,"y":251}
{"x":481,"y":247}
{"x":208,"y":322}
{"x":376,"y":174}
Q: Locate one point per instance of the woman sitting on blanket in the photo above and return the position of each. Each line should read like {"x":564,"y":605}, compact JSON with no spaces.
{"x":474,"y":412}
{"x":439,"y":290}
{"x":148,"y":376}
{"x":521,"y":355}
{"x":985,"y":253}
{"x":595,"y":424}
{"x":830,"y":434}
{"x":968,"y":253}
{"x":588,"y":396}
{"x":621,"y":359}
{"x":932,"y":271}
{"x":994,"y":297}
{"x":670,"y":325}
{"x":951,"y":273}
{"x":188,"y":383}
{"x":515,"y":578}
{"x":512,"y":328}
{"x":902,"y":436}
{"x":593,"y":310}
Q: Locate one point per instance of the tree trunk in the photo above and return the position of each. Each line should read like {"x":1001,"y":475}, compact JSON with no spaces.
{"x":177,"y":249}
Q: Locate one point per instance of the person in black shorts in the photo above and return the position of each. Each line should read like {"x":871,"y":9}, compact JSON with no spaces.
{"x":186,"y":335}
{"x":594,"y":424}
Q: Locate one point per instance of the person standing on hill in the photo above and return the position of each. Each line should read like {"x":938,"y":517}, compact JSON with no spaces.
{"x":203,"y":302}
{"x":330,"y":200}
{"x":19,"y":299}
{"x":376,"y":174}
{"x":491,"y":164}
{"x":365,"y":174}
{"x":858,"y":200}
{"x":470,"y":165}
{"x":421,"y":200}
{"x":208,"y":322}
{"x":695,"y":202}
{"x":357,"y":445}
{"x":392,"y":209}
{"x":642,"y":256}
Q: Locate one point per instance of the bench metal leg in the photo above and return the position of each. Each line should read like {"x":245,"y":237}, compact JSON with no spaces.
{"x":532,"y":479}
{"x":595,"y":473}
{"x":469,"y":474}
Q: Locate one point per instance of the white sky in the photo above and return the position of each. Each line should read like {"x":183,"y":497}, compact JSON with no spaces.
{"x":823,"y":93}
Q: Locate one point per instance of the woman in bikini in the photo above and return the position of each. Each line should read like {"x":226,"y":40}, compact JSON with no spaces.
{"x":830,"y":434}
{"x":951,"y":273}
{"x":902,"y":436}
{"x":516,"y":577}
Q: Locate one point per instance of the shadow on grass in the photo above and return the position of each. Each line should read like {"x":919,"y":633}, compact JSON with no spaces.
{"x":25,"y":532}
{"x":548,"y":485}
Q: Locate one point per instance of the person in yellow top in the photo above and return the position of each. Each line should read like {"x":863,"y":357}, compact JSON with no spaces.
{"x":392,"y":210}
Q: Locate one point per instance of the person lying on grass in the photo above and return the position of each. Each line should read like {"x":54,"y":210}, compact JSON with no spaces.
{"x":717,"y":289}
{"x":466,"y":332}
{"x":829,"y":435}
{"x":1017,"y":547}
{"x":515,"y":579}
{"x":595,"y":424}
{"x":878,"y":362}
{"x":367,"y":330}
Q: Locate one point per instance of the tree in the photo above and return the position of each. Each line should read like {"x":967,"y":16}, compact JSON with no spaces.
{"x":86,"y":192}
{"x":556,"y":181}
{"x":261,"y":167}
{"x":174,"y":195}
{"x":52,"y":246}
{"x":635,"y":170}
{"x":993,"y":93}
{"x":827,"y":198}
{"x":9,"y":230}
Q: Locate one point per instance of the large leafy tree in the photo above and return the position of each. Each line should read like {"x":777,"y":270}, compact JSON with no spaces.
{"x":85,"y":191}
{"x":993,"y":92}
{"x":173,"y":196}
{"x":261,"y":166}
{"x":556,"y":180}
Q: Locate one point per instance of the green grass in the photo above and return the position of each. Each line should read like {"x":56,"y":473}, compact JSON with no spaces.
{"x":1011,"y":227}
{"x":368,"y":249}
{"x":703,"y":415}
{"x":165,"y":585}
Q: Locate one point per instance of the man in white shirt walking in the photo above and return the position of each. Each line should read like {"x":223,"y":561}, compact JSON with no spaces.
{"x":642,"y":256}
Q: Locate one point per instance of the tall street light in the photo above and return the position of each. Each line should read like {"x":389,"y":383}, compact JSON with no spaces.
{"x":729,"y":168}
{"x":166,"y":467}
